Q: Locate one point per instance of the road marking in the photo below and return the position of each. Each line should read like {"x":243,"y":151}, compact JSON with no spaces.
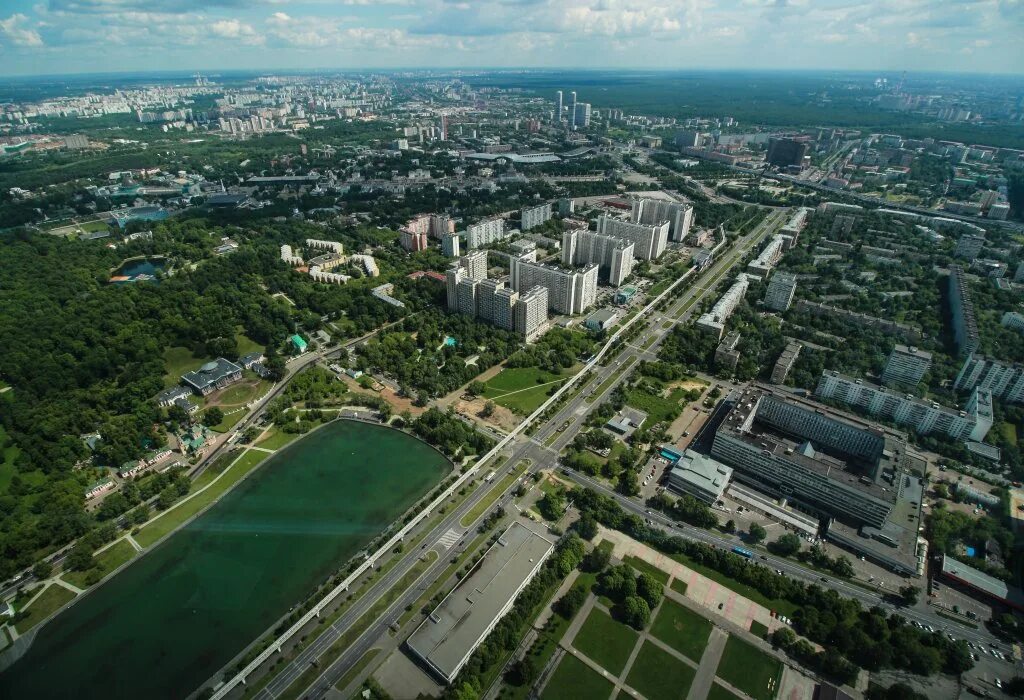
{"x":449,"y":538}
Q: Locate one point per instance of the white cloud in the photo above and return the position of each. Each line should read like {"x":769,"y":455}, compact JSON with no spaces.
{"x":14,"y":30}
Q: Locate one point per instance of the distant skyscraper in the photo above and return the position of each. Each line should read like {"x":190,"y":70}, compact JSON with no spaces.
{"x":581,"y":115}
{"x":444,"y":127}
{"x":560,"y":107}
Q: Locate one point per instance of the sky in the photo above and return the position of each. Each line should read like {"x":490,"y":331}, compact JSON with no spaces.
{"x":73,"y":36}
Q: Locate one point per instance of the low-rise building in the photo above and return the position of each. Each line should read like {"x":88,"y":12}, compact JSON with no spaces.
{"x":701,"y":477}
{"x":213,"y":375}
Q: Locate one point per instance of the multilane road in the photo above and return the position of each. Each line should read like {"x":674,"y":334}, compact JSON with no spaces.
{"x":532,"y":448}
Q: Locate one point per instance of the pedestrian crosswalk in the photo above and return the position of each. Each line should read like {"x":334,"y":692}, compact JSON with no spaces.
{"x":449,"y":538}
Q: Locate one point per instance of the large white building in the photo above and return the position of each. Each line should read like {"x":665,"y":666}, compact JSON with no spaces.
{"x":451,"y":245}
{"x":762,"y":265}
{"x":531,"y":217}
{"x":475,"y":263}
{"x":613,"y":255}
{"x":1004,"y":379}
{"x":906,"y":365}
{"x":713,"y":322}
{"x":780,"y":292}
{"x":650,"y":240}
{"x":531,"y":314}
{"x":485,"y":233}
{"x":581,"y":115}
{"x":923,"y":416}
{"x":679,"y":216}
{"x":569,"y":291}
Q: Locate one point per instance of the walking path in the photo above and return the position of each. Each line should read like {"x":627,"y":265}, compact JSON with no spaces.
{"x":74,"y":589}
{"x":708,"y":665}
{"x":133,"y":543}
{"x":710,"y":594}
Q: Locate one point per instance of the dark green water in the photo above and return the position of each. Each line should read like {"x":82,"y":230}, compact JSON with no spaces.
{"x":172,"y":619}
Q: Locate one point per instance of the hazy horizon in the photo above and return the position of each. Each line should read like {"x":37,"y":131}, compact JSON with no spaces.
{"x":61,"y":37}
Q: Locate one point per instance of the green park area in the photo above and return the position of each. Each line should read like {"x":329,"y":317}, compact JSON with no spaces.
{"x":523,"y":389}
{"x":107,"y":561}
{"x":8,"y":453}
{"x":605,"y":641}
{"x":574,"y":680}
{"x":182,"y":511}
{"x":275,"y":439}
{"x":659,"y":675}
{"x":682,"y":629}
{"x":644,"y":567}
{"x":657,"y":407}
{"x":718,"y":692}
{"x":177,"y":361}
{"x":49,"y":601}
{"x":749,"y":669}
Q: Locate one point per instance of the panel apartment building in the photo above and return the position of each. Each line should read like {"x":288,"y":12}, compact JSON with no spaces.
{"x":485,"y":233}
{"x":781,"y":289}
{"x":614,"y":256}
{"x":961,"y":308}
{"x":679,"y":216}
{"x":924,"y":417}
{"x":1005,"y":380}
{"x":713,"y":322}
{"x":531,"y":217}
{"x":650,"y":240}
{"x":569,"y":291}
{"x":906,"y":365}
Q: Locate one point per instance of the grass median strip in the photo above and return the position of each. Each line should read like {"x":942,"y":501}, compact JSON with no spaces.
{"x":610,"y":380}
{"x":356,"y":669}
{"x":350,"y":635}
{"x":184,"y":510}
{"x":494,"y":494}
{"x":440,"y":581}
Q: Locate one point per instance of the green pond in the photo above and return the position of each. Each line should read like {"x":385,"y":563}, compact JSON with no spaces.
{"x":175,"y":617}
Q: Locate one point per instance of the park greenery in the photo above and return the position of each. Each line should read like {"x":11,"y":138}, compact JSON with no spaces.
{"x":850,"y":635}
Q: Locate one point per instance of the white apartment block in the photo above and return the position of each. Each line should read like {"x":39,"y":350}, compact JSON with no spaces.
{"x":289,"y":256}
{"x":485,"y":233}
{"x":1004,"y":380}
{"x":906,"y":365}
{"x":532,"y":217}
{"x":569,"y":291}
{"x":713,"y":322}
{"x":451,"y":245}
{"x":923,"y":416}
{"x":333,"y":246}
{"x":1014,"y":320}
{"x":613,"y":255}
{"x":531,"y":314}
{"x":475,"y":263}
{"x":679,"y":216}
{"x":771,"y":254}
{"x":505,"y":308}
{"x":780,"y":292}
{"x":649,"y":240}
{"x":453,"y":277}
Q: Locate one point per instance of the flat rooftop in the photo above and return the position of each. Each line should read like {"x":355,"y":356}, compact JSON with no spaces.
{"x":450,"y":634}
{"x":806,"y":451}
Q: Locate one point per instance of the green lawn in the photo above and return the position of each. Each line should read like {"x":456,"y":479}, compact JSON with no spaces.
{"x":241,"y":393}
{"x":749,"y":669}
{"x":758,"y":629}
{"x":679,"y":586}
{"x":275,"y":439}
{"x":245,"y":344}
{"x":606,"y":641}
{"x":106,"y":561}
{"x":51,"y":600}
{"x":659,"y":675}
{"x":1009,"y":432}
{"x":181,"y":512}
{"x":94,"y":225}
{"x":574,"y":680}
{"x":657,"y":408}
{"x":522,"y":389}
{"x":682,"y":629}
{"x":645,"y":568}
{"x":177,"y":361}
{"x":230,"y":420}
{"x":717,"y":692}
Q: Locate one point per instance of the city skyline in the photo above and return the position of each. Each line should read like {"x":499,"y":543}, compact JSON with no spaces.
{"x":57,"y":36}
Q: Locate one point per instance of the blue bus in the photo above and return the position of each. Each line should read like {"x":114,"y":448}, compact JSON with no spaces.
{"x":743,"y":552}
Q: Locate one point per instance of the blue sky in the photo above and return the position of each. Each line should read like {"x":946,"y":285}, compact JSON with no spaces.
{"x":58,"y":36}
